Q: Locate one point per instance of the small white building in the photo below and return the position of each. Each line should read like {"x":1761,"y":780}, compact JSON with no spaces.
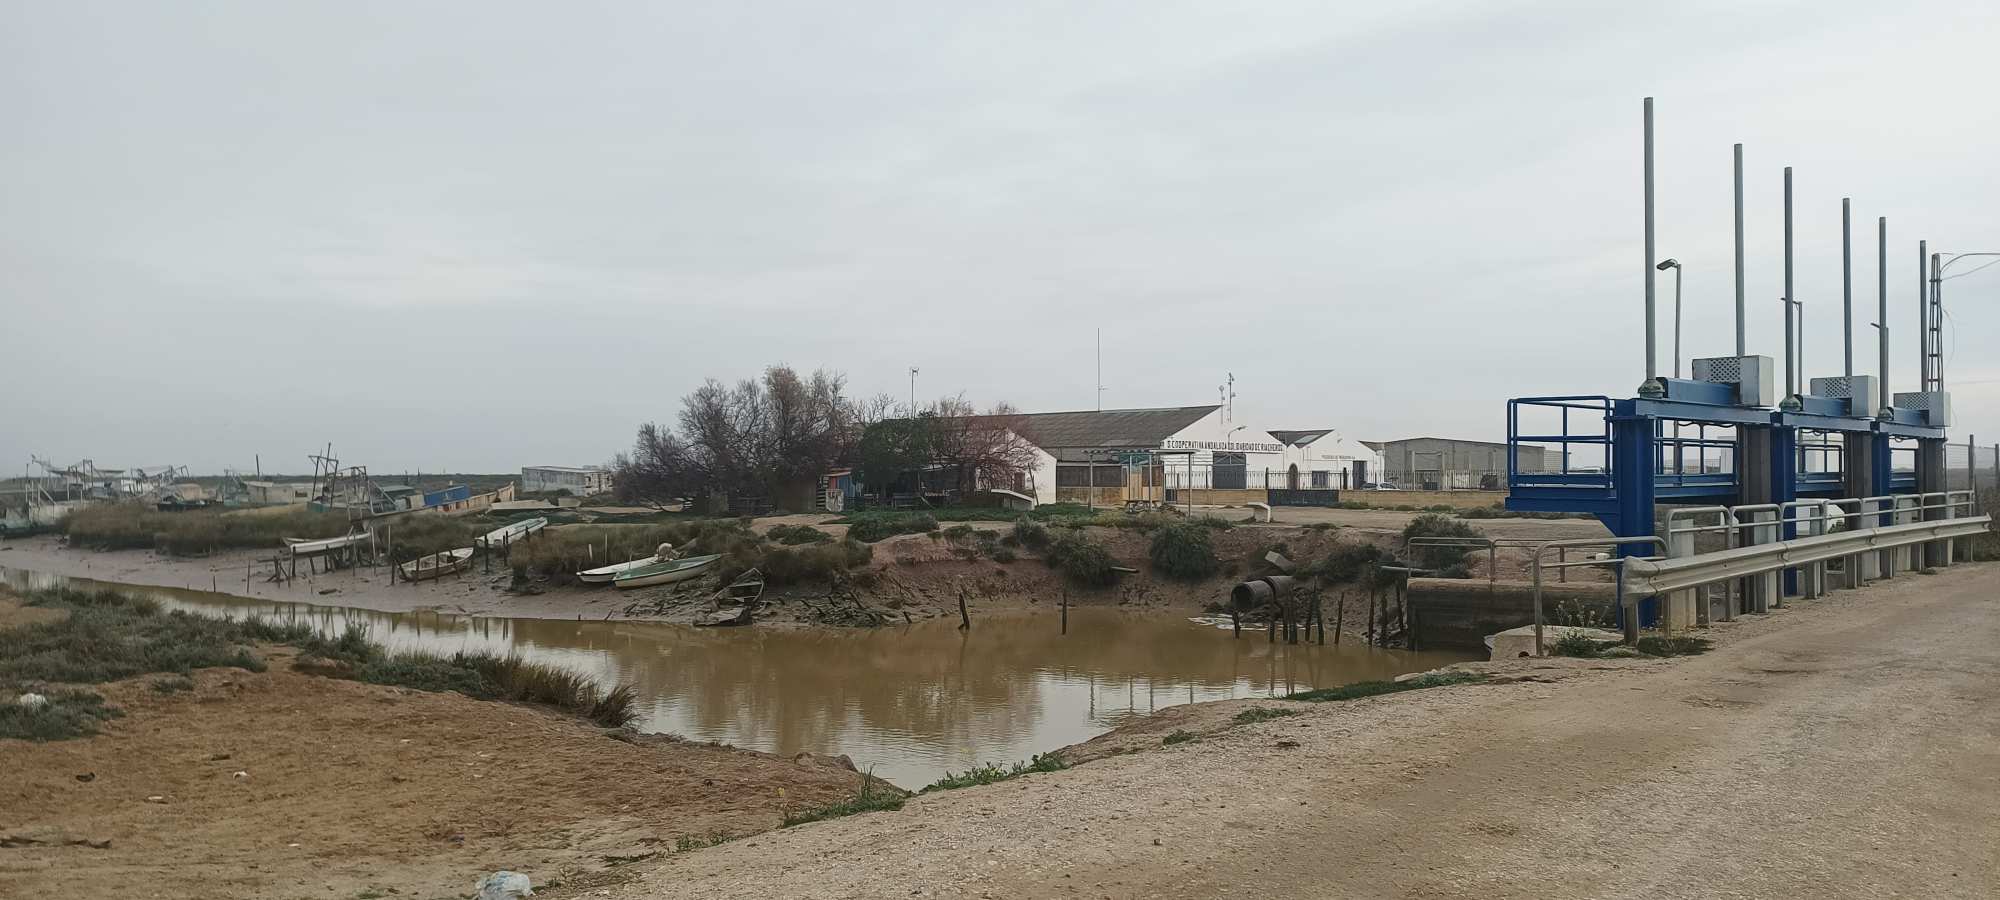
{"x":580,"y":481}
{"x":1322,"y":459}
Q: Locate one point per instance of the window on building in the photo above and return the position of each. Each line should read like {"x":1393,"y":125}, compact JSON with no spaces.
{"x":1320,"y":478}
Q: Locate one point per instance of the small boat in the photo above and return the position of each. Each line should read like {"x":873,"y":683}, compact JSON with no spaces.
{"x":604,"y":574}
{"x":437,"y":564}
{"x":736,"y":604}
{"x":665,"y":572}
{"x":305,"y":547}
{"x":512,"y":532}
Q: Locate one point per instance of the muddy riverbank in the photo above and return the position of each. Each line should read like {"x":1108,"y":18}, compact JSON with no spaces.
{"x":240,"y":784}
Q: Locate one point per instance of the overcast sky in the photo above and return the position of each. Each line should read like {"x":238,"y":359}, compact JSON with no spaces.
{"x":476,"y":236}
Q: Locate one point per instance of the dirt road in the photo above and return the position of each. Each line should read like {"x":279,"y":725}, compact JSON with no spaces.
{"x":1846,"y":747}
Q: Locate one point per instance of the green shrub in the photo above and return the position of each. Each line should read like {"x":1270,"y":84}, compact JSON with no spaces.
{"x":1184,"y":551}
{"x":1437,"y":525}
{"x":1179,"y":737}
{"x":797,"y":534}
{"x":108,"y":636}
{"x":1576,"y":644}
{"x":67,"y":714}
{"x":874,"y":526}
{"x":1081,"y":560}
{"x":1030,"y":534}
{"x":1674,"y":646}
{"x":1348,"y":562}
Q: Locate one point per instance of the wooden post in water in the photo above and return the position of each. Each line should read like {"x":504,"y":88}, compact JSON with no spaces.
{"x":1339,"y":617}
{"x":1371,"y":614}
{"x":965,"y":618}
{"x":1319,"y":615}
{"x":1065,"y":609}
{"x":1271,"y":632}
{"x":1235,"y":621}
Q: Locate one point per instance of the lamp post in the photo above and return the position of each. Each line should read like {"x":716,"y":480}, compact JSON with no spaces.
{"x":1675,"y":265}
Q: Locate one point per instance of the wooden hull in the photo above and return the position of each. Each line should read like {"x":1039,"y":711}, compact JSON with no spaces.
{"x":437,"y":564}
{"x":666,"y":572}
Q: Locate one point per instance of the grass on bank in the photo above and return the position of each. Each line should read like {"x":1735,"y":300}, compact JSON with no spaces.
{"x":1580,"y":645}
{"x":107,"y":636}
{"x":137,"y":526}
{"x":993,"y":772}
{"x":869,"y":799}
{"x":1360,"y":689}
{"x":1257,"y":714}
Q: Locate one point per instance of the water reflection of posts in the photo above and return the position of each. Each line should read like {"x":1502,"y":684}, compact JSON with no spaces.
{"x":1065,"y":609}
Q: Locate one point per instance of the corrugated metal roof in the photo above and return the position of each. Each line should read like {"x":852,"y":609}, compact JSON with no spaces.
{"x":1133,"y":428}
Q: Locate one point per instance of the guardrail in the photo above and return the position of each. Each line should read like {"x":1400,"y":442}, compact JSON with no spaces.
{"x":1758,"y":549}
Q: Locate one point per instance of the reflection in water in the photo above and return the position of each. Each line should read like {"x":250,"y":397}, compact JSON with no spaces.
{"x":909,"y":701}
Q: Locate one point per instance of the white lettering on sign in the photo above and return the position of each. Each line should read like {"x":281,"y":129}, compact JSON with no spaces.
{"x":1222,"y":445}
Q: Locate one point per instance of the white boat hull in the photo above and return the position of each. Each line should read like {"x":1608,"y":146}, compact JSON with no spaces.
{"x":436,"y":565}
{"x":670,"y":576}
{"x":605,"y":574}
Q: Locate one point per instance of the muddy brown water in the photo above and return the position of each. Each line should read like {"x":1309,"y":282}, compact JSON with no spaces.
{"x":910,"y":702}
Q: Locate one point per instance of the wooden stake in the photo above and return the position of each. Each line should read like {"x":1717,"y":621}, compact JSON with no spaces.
{"x":1065,"y":609}
{"x":1339,"y":617}
{"x":965,"y":618}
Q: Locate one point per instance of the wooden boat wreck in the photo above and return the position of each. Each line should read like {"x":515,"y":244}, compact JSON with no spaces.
{"x":437,"y":564}
{"x":736,"y":603}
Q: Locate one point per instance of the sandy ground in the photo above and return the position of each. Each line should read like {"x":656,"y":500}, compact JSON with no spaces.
{"x":1846,"y":747}
{"x":353,"y":790}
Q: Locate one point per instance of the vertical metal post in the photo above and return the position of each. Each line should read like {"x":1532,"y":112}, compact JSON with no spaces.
{"x":1652,"y":361}
{"x":1791,"y":358}
{"x":1882,"y":302}
{"x":1923,"y":317}
{"x":1937,"y":321}
{"x":1846,"y":289}
{"x":1740,"y":347}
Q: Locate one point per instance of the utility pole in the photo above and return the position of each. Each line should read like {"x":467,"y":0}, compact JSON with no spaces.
{"x":913,"y":391}
{"x":1740,"y":349}
{"x":1652,"y":386}
{"x":1882,"y":302}
{"x":1791,"y":358}
{"x":1846,"y":289}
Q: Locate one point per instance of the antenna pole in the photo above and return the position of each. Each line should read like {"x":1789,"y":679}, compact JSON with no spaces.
{"x":1740,"y":351}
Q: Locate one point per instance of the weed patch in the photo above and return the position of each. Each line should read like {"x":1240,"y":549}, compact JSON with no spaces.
{"x":868,"y":800}
{"x":1183,"y":550}
{"x":67,"y":714}
{"x":1361,"y":689}
{"x":1180,"y":737}
{"x":1257,"y":714}
{"x":991,"y":773}
{"x":1081,"y":560}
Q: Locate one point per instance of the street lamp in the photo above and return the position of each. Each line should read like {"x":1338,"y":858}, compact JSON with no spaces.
{"x":1939,"y":263}
{"x":1675,"y":265}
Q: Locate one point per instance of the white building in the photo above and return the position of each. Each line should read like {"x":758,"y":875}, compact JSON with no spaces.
{"x":580,"y":481}
{"x":1110,"y":456}
{"x":1321,"y":459}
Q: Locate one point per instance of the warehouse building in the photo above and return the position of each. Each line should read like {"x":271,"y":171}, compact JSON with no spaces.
{"x":1449,"y":464}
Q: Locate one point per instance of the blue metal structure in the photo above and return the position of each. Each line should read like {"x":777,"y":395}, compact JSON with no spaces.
{"x":1636,"y":439}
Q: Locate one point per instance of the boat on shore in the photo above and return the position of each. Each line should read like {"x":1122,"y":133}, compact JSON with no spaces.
{"x":664,"y":571}
{"x":513,"y":533}
{"x":735,"y":604}
{"x":437,"y":564}
{"x":605,"y":574}
{"x":317,"y":546}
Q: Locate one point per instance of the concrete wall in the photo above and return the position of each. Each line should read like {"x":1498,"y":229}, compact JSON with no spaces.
{"x":1458,"y":613}
{"x":1106,"y":496}
{"x":1211,"y":497}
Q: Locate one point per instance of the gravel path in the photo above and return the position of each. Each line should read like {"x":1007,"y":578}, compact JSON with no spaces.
{"x":1847,"y":747}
